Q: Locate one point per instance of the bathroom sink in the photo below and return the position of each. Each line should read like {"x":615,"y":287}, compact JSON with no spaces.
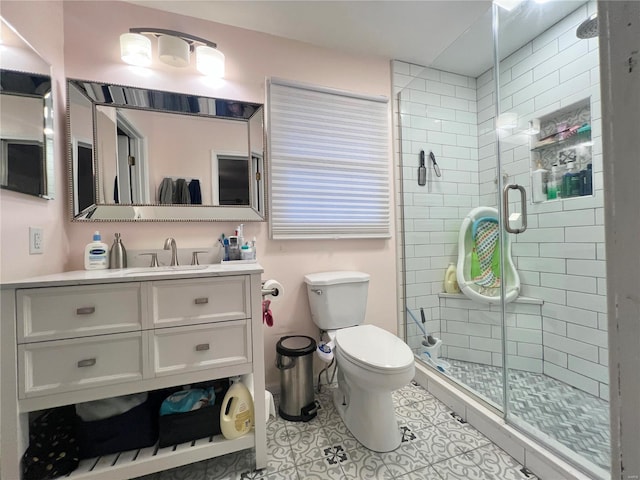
{"x":164,"y":269}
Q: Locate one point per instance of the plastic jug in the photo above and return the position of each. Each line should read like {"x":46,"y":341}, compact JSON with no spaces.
{"x":450,"y":280}
{"x":236,"y":413}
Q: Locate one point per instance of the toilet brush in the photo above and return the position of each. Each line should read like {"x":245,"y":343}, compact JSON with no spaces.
{"x":428,"y":341}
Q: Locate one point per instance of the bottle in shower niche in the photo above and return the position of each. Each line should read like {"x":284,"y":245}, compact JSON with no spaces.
{"x":552,"y":183}
{"x":539,"y":180}
{"x":96,"y":254}
{"x":450,"y":280}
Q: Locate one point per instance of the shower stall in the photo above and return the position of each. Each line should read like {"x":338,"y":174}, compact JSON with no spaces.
{"x":517,"y":131}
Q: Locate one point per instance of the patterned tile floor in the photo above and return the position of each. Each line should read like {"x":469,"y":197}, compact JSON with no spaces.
{"x":435,"y":446}
{"x":576,"y":419}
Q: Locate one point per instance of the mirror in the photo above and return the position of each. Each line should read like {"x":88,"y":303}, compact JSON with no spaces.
{"x":148,"y":155}
{"x":26,"y":118}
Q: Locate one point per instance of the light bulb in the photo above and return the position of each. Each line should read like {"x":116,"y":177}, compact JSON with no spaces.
{"x":173,"y":51}
{"x":210,"y":61}
{"x":135,"y":49}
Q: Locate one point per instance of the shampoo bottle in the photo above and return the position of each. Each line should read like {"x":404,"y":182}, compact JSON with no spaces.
{"x":236,"y":412}
{"x":552,"y":184}
{"x":450,"y":280}
{"x":539,"y":179}
{"x":96,"y":254}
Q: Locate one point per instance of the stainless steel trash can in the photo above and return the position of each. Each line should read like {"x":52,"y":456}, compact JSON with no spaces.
{"x":294,"y":359}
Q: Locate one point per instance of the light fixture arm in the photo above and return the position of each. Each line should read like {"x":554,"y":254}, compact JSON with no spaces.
{"x":191,"y":39}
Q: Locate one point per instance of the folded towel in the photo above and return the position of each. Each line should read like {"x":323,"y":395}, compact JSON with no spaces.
{"x":165,"y":192}
{"x":181,"y":192}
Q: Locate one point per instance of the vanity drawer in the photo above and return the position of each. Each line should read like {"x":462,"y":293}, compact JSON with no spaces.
{"x":189,"y":302}
{"x":66,"y":365}
{"x":79,"y":311}
{"x":184,"y":349}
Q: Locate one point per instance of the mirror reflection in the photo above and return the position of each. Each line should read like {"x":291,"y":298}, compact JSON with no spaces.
{"x":26,"y":119}
{"x":141,"y":154}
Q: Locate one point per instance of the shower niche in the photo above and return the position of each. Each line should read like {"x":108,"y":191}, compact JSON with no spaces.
{"x":561,"y":153}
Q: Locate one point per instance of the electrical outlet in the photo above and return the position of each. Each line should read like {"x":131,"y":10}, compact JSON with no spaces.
{"x":36,"y":240}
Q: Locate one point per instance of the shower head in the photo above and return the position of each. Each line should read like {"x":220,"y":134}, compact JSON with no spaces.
{"x":588,"y":28}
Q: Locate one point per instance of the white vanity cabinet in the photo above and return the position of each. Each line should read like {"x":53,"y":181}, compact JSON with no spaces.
{"x":81,"y":336}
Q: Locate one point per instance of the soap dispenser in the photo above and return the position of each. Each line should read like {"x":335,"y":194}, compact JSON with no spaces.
{"x":118,"y":254}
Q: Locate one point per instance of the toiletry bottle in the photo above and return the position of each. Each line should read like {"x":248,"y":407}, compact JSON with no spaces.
{"x":236,"y":412}
{"x":117,"y":254}
{"x":567,"y":180}
{"x":96,"y":254}
{"x":575,"y":185}
{"x":240,"y":234}
{"x":225,"y":243}
{"x":552,"y":184}
{"x":450,"y":280}
{"x":246,"y":252}
{"x":588,"y":181}
{"x":253,"y":245}
{"x":539,"y":179}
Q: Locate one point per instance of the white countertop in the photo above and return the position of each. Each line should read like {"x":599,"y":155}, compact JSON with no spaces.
{"x":138,"y":274}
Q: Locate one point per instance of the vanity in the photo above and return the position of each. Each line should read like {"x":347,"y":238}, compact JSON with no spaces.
{"x":86,"y":335}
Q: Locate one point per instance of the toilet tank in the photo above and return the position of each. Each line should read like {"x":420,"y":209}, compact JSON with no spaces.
{"x":337,"y":299}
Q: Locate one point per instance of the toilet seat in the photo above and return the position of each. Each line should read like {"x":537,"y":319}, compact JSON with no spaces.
{"x":374,"y":349}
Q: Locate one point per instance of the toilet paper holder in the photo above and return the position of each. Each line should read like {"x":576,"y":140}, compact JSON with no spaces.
{"x":270,"y":290}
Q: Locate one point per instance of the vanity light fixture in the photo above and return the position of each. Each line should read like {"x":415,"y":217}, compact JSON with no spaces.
{"x":174,"y":48}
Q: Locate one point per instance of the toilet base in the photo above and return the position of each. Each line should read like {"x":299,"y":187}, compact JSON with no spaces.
{"x":369,"y":416}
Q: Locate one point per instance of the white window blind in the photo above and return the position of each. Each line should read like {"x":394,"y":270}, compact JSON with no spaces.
{"x":329,"y":158}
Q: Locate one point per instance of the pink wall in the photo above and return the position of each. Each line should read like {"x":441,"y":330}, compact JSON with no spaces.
{"x":41,"y":24}
{"x":92,"y":53}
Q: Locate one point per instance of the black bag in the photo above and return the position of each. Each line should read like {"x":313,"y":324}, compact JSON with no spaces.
{"x":53,"y":447}
{"x":136,"y":428}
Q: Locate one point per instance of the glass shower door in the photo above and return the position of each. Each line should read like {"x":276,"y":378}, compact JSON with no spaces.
{"x":550,"y":170}
{"x":439,"y":130}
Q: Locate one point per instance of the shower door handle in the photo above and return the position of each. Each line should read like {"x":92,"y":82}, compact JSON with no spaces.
{"x":505,"y":208}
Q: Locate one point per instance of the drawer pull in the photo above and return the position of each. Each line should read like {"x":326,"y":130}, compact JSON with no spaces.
{"x":89,"y":362}
{"x":202,"y":347}
{"x":85,"y":310}
{"x":202,"y":300}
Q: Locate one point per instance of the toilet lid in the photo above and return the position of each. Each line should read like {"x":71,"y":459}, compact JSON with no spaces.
{"x":373,"y":347}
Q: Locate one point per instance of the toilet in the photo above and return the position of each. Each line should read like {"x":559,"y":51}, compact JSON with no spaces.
{"x":372,"y":362}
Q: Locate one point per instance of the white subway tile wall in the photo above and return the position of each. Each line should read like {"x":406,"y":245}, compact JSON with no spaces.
{"x":560,"y":257}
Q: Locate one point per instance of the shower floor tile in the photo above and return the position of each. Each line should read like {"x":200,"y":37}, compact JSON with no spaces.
{"x":575,"y":419}
{"x":434,"y":446}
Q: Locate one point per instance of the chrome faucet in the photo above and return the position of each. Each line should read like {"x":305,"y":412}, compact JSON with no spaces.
{"x":170,"y":243}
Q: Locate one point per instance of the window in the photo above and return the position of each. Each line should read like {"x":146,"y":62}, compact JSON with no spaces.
{"x":329,"y":157}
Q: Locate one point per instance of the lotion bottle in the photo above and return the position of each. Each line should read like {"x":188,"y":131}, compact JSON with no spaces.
{"x":450,"y":280}
{"x":236,"y":412}
{"x":96,"y":254}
